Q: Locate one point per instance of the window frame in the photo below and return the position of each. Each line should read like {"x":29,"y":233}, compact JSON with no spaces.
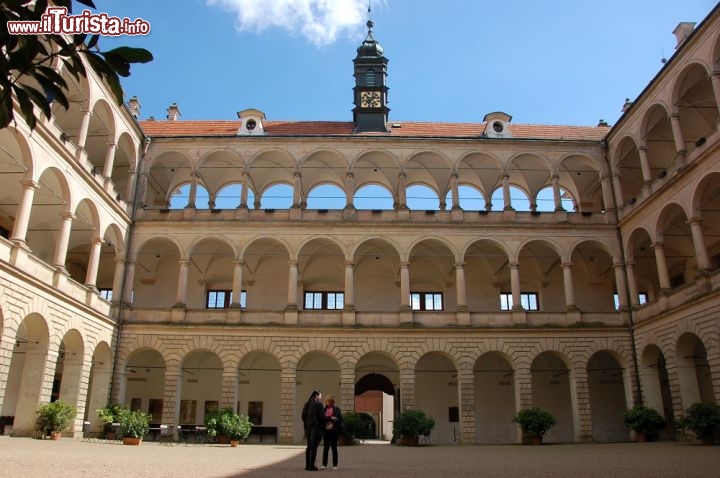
{"x":228,"y":299}
{"x":524,"y":300}
{"x":422,"y":301}
{"x":325,"y":297}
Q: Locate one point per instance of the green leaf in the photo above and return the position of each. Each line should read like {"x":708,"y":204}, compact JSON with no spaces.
{"x":130,"y":54}
{"x":26,"y":107}
{"x":93,"y":41}
{"x":39,"y":99}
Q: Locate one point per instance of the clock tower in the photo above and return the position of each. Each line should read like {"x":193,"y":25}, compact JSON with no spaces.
{"x":370,"y":92}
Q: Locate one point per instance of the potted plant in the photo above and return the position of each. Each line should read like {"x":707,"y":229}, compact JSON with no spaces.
{"x":644,"y":421}
{"x":133,"y":426}
{"x":534,"y":423}
{"x":213,"y":423}
{"x":703,"y":419}
{"x":236,"y":427}
{"x":54,"y":417}
{"x":349,"y":427}
{"x":410,"y":425}
{"x":109,"y":415}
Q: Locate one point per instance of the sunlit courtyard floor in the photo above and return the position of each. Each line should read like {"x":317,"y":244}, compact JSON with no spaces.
{"x":25,"y":457}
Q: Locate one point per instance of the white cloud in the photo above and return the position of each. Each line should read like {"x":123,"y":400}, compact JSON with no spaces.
{"x":320,"y":21}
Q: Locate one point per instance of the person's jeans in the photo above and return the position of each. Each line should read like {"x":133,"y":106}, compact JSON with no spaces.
{"x":313,"y":441}
{"x":330,"y":439}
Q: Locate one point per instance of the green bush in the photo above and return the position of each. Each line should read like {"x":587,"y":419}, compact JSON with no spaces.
{"x":109,"y":414}
{"x":645,"y":420}
{"x":351,"y":424}
{"x":213,"y":421}
{"x":55,"y":416}
{"x":236,"y":427}
{"x":534,"y":421}
{"x":703,"y":419}
{"x":412,"y":424}
{"x":134,"y":423}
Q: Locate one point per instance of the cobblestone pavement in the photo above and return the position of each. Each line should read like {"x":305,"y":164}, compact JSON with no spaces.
{"x":25,"y":457}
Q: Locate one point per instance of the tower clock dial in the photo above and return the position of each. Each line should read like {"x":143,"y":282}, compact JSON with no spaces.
{"x":370,"y":99}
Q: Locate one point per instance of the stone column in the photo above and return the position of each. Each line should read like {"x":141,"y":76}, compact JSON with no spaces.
{"x":715,"y":78}
{"x":297,"y":191}
{"x":455,"y":188}
{"x":244,"y":190}
{"x":349,"y":191}
{"x":180,"y":299}
{"x":701,"y":254}
{"x":632,"y":286}
{"x":22,"y":216}
{"x":62,"y":244}
{"x":84,"y":126}
{"x":515,"y":285}
{"x":93,"y":262}
{"x":117,"y":279}
{"x":237,"y":284}
{"x":617,"y":189}
{"x":460,"y":285}
{"x":404,"y":285}
{"x":292,"y":286}
{"x":507,"y":204}
{"x":228,"y":397}
{"x":129,"y":281}
{"x":407,"y":387}
{"x":194,"y":176}
{"x":556,"y":194}
{"x":109,"y":160}
{"x":347,"y":389}
{"x":569,"y":287}
{"x":645,"y":165}
{"x":608,"y":199}
{"x":402,"y":192}
{"x":663,"y":276}
{"x":620,"y":286}
{"x":349,"y":286}
{"x":677,"y":134}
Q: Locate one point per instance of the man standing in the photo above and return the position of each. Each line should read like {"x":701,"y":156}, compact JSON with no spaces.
{"x":312,"y":417}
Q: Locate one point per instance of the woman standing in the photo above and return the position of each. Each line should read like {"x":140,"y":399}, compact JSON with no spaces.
{"x":333,"y":421}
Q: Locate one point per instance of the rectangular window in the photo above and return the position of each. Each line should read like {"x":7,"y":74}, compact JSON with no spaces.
{"x":528,"y":301}
{"x":105,"y":294}
{"x":642,"y":299}
{"x":426,"y":300}
{"x":222,"y":298}
{"x":324,"y":301}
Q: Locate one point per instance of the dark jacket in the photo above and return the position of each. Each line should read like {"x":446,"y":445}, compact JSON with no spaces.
{"x":337,"y":425}
{"x":312,"y":415}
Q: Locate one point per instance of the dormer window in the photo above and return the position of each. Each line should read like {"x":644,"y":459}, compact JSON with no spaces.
{"x":496,"y":125}
{"x":251,"y":122}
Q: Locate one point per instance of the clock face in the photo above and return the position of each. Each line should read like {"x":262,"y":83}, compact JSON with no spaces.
{"x":370,"y":99}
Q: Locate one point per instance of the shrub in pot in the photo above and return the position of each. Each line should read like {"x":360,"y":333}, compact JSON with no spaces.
{"x":213,"y":423}
{"x":703,"y":419}
{"x":349,"y":427}
{"x":646,"y":422}
{"x":133,"y":424}
{"x":534,"y":423}
{"x":54,"y":417}
{"x":109,"y":414}
{"x":236,"y":427}
{"x":410,"y":425}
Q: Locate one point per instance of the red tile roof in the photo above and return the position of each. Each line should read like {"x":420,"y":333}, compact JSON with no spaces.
{"x":204,"y":128}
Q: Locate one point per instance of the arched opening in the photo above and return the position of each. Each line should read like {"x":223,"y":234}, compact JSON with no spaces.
{"x":68,"y":369}
{"x":157,"y":269}
{"x":437,"y":394}
{"x":278,"y":196}
{"x":200,"y":387}
{"x":143,"y":382}
{"x":693,"y":371}
{"x":377,"y":394}
{"x":376,"y":276}
{"x":373,"y":197}
{"x":258,"y":389}
{"x":656,"y":384}
{"x":326,"y":196}
{"x":606,"y":387}
{"x":181,"y":197}
{"x":494,"y":391}
{"x":519,"y":200}
{"x":421,"y":198}
{"x":265,"y":275}
{"x":551,"y":391}
{"x":98,"y":385}
{"x":25,"y":379}
{"x":315,"y":371}
{"x":545,"y":200}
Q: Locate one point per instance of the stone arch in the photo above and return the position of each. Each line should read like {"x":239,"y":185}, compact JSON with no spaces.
{"x":551,"y":390}
{"x":608,"y":396}
{"x":376,"y":262}
{"x":693,"y":370}
{"x":495,"y":401}
{"x":266,"y":272}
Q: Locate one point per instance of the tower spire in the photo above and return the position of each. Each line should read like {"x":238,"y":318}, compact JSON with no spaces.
{"x":370,"y":92}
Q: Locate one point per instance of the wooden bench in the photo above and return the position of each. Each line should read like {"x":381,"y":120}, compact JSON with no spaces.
{"x":264,"y":430}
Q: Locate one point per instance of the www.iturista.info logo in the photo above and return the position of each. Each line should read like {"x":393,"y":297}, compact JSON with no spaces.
{"x":56,"y":20}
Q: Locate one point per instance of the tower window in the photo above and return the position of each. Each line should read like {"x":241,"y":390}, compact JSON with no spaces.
{"x":370,"y":78}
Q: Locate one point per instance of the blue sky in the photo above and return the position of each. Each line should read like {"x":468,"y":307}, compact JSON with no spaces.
{"x":543,"y":62}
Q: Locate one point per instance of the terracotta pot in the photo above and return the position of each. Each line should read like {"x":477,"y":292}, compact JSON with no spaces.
{"x":536,"y":440}
{"x":223,"y":439}
{"x":234,"y":443}
{"x":131,"y":441}
{"x":641,"y":437}
{"x":409,"y":441}
{"x":55,"y":435}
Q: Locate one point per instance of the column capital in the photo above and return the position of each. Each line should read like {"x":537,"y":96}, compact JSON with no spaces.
{"x":695,"y":220}
{"x":30,"y":184}
{"x":67,"y":215}
{"x":459,"y":265}
{"x":349,"y":264}
{"x":404,"y":265}
{"x":293,"y":263}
